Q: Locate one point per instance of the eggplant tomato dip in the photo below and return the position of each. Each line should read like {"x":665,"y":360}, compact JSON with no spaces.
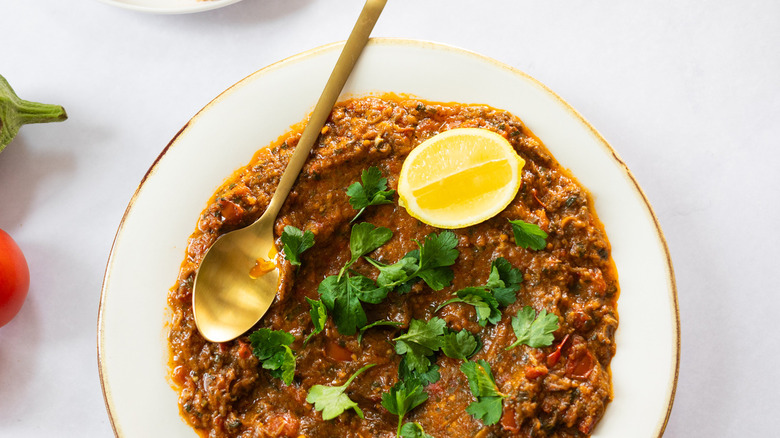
{"x":524,"y":351}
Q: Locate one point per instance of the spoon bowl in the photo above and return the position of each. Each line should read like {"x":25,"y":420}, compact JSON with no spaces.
{"x":228,"y":298}
{"x":231,"y":300}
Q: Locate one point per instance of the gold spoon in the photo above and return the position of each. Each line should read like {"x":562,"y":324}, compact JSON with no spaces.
{"x":226,"y":300}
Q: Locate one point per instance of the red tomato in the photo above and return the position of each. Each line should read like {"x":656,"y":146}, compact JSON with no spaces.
{"x":14,"y":278}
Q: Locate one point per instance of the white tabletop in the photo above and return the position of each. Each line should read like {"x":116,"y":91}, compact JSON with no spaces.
{"x":687,"y":92}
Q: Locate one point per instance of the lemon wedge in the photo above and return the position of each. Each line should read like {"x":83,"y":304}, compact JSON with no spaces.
{"x":459,"y":178}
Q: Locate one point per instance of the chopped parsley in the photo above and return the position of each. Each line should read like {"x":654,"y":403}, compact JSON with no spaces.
{"x":331,"y":400}
{"x":489,"y":404}
{"x":532,"y":329}
{"x":272,"y":347}
{"x":373,"y":191}
{"x":528,"y":235}
{"x":295,"y":242}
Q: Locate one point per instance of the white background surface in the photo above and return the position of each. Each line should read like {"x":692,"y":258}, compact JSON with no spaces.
{"x":688,"y":93}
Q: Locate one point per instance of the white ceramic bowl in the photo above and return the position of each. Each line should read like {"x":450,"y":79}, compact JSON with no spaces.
{"x":170,"y":6}
{"x":151,"y":240}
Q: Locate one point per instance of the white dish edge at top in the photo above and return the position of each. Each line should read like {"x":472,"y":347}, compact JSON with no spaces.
{"x":170,"y":6}
{"x":150,"y":243}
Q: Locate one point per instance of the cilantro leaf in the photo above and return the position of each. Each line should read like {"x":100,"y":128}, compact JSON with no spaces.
{"x":295,"y":242}
{"x":376,"y":324}
{"x":534,"y":330}
{"x":500,"y":290}
{"x":487,"y":409}
{"x":528,"y":235}
{"x":430,"y":262}
{"x":459,"y":345}
{"x":272,"y":347}
{"x":426,"y":378}
{"x":363,"y":239}
{"x":485,"y":304}
{"x":319,"y":315}
{"x":396,"y":274}
{"x":481,"y":380}
{"x":436,"y":253}
{"x":342,"y":297}
{"x":489,"y":404}
{"x":413,"y":430}
{"x":331,"y":400}
{"x":373,"y":191}
{"x":402,"y":398}
{"x":422,"y":340}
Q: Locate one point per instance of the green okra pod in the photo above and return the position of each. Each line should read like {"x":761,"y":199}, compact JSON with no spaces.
{"x":16,"y":112}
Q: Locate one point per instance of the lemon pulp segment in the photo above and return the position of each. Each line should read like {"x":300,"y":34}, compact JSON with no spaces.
{"x":459,"y":177}
{"x":467,"y":186}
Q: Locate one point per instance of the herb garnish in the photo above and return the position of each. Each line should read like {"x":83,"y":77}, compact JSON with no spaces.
{"x":489,"y":404}
{"x":373,"y":191}
{"x":319,"y":316}
{"x":430,"y":262}
{"x":426,"y":378}
{"x":402,"y":398}
{"x":272,"y":347}
{"x":528,"y":235}
{"x":503,"y":282}
{"x":363,"y":239}
{"x":532,"y":329}
{"x":341,"y":294}
{"x":376,"y":324}
{"x":295,"y":242}
{"x":331,"y":400}
{"x":342,"y":297}
{"x":459,"y":345}
{"x":421,"y":341}
{"x":413,"y":430}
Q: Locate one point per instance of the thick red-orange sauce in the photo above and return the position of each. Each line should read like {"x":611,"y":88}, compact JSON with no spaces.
{"x":561,"y":390}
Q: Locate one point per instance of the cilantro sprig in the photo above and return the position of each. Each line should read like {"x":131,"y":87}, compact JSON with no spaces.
{"x":502,"y":284}
{"x":424,"y":339}
{"x":430,"y":262}
{"x":402,"y":398}
{"x":319,"y":316}
{"x":373,"y":191}
{"x":489,"y":404}
{"x":272,"y":347}
{"x":420,"y":342}
{"x":405,"y":373}
{"x":331,"y":400}
{"x":363,"y":239}
{"x":413,"y":430}
{"x":459,"y":345}
{"x":376,"y":324}
{"x":343,"y":296}
{"x":528,"y":235}
{"x":295,"y":242}
{"x":532,"y":329}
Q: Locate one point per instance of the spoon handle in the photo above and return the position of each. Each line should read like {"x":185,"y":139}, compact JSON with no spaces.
{"x":346,"y":62}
